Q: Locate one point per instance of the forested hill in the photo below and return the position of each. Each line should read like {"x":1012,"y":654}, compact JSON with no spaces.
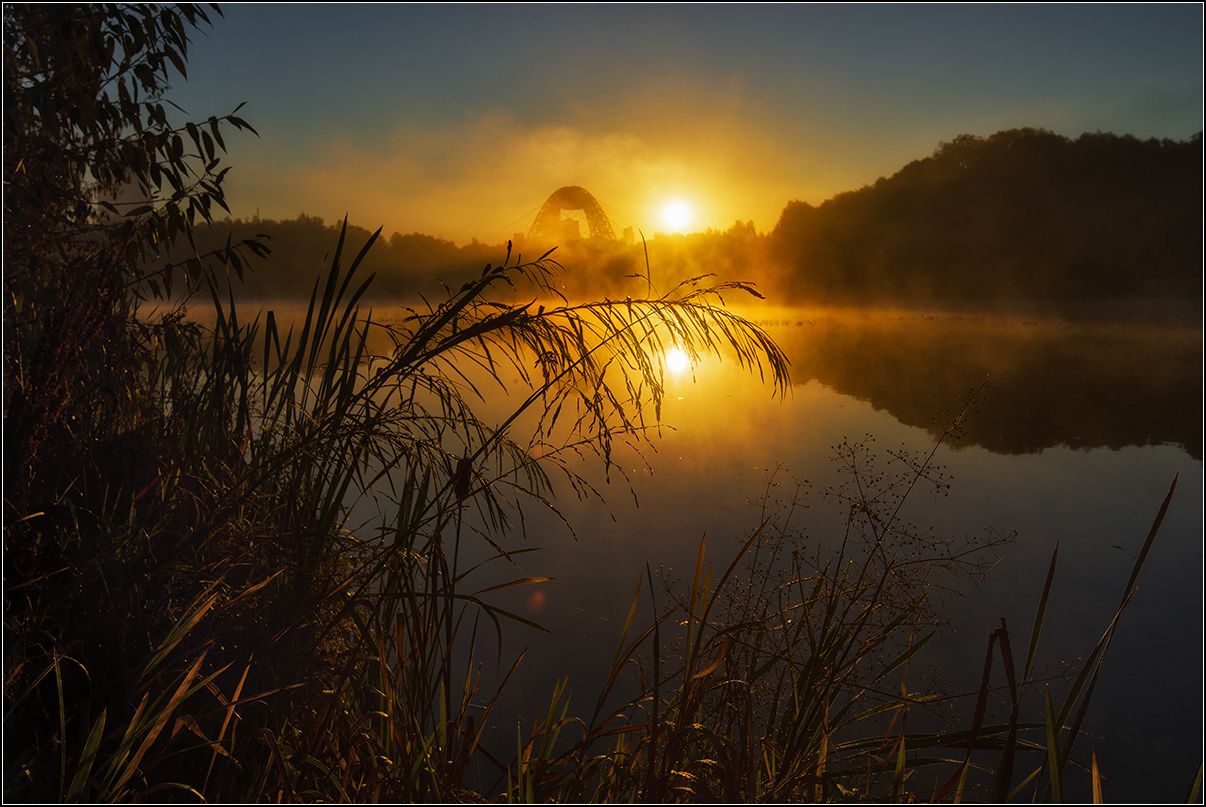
{"x":1022,"y":215}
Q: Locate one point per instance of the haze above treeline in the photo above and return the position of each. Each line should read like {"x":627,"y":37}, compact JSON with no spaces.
{"x":1022,"y":220}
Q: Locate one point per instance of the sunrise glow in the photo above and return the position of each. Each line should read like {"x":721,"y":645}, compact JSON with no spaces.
{"x":677,"y":361}
{"x":826,"y":312}
{"x":677,"y":216}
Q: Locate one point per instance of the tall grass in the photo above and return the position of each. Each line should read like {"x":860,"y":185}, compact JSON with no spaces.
{"x":257,"y":644}
{"x":214,"y":525}
{"x":783,"y":677}
{"x":197,"y":607}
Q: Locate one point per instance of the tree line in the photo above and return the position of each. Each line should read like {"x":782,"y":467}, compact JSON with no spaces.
{"x":300,"y":251}
{"x":1024,"y":215}
{"x":1022,"y":219}
{"x":408,"y":264}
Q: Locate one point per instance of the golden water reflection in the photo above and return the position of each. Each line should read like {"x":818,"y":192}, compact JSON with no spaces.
{"x":677,"y":361}
{"x":1039,"y":383}
{"x":1074,"y":439}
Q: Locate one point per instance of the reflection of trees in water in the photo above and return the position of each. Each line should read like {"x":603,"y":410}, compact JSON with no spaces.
{"x":1082,"y":386}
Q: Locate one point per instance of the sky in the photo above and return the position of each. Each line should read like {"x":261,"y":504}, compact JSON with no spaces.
{"x":460,"y":120}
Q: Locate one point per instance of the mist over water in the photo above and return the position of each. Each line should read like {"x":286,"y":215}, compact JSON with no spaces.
{"x":1075,"y":434}
{"x":994,"y":283}
{"x":617,"y":404}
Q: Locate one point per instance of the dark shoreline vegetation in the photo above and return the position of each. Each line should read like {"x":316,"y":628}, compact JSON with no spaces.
{"x":1024,"y":221}
{"x":191,"y":613}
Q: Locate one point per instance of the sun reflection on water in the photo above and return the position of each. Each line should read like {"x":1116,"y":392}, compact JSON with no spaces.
{"x":677,"y":361}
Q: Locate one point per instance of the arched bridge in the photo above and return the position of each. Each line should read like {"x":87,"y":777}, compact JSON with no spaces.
{"x":550,"y":224}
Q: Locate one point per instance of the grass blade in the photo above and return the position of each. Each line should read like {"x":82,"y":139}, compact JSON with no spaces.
{"x":1053,"y":755}
{"x":1151,"y":538}
{"x":1039,"y":616}
{"x":160,"y":721}
{"x":88,"y":757}
{"x":1195,"y":789}
{"x":977,"y":720}
{"x":899,"y":777}
{"x":1096,"y":776}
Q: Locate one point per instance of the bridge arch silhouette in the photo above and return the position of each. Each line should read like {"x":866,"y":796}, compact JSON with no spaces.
{"x":549,"y":223}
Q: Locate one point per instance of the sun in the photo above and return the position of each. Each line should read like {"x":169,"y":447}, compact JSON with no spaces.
{"x":677,"y":360}
{"x":677,"y":215}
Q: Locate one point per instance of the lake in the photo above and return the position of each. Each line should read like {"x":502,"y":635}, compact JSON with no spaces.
{"x":1073,"y":436}
{"x":1076,"y":435}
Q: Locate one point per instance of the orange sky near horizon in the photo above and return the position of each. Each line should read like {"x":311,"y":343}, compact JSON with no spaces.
{"x":458,"y":121}
{"x":488,"y":178}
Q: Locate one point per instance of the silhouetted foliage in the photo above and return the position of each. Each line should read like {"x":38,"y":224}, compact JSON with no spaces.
{"x":194,"y":601}
{"x":402,"y":264}
{"x":186,"y":602}
{"x":1022,"y":215}
{"x":99,"y":183}
{"x":415,"y":262}
{"x":1023,"y":219}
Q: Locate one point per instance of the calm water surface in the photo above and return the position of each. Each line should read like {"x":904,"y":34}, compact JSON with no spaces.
{"x":1078,"y":432}
{"x":1075,"y":440}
